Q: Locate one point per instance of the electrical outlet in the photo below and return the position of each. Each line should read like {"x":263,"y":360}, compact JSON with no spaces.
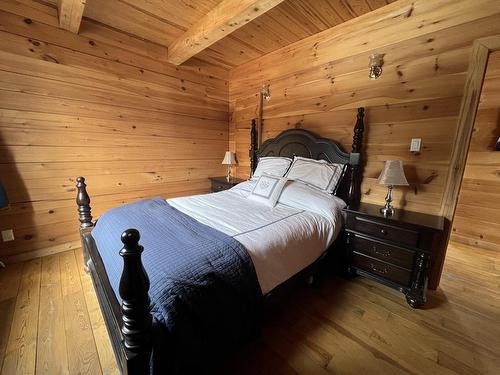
{"x":7,"y":235}
{"x":415,"y":144}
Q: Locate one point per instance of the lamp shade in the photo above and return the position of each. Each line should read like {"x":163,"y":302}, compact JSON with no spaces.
{"x":4,"y":201}
{"x":229,"y":158}
{"x":393,"y":173}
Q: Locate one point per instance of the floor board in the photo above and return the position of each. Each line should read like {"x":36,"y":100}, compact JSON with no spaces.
{"x":51,"y":324}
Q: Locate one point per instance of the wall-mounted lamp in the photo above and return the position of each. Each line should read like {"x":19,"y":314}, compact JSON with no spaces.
{"x":266,"y":93}
{"x":375,"y":65}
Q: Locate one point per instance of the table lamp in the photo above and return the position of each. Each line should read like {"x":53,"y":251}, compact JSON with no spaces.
{"x":229,"y":160}
{"x":392,"y":175}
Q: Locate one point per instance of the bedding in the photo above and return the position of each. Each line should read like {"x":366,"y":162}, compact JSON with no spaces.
{"x":316,"y":173}
{"x":204,"y":288}
{"x":281,"y":241}
{"x":268,"y":189}
{"x":272,"y":165}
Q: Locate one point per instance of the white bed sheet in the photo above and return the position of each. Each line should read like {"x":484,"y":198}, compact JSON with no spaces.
{"x":281,"y":241}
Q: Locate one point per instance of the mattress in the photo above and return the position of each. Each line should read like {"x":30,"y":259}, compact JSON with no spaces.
{"x":280,"y":240}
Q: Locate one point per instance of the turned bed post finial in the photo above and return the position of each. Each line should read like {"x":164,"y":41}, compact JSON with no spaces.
{"x":253,"y":147}
{"x":137,"y":320}
{"x":83,"y":202}
{"x":357,"y":142}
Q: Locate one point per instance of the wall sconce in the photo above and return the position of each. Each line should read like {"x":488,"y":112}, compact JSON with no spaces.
{"x":375,"y":65}
{"x":266,"y":93}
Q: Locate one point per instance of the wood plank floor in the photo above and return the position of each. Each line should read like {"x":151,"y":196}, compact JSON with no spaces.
{"x":50,"y":323}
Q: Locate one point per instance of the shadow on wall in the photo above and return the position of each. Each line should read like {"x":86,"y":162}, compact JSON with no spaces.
{"x":19,"y":215}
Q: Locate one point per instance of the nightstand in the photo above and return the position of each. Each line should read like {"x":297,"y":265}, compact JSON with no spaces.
{"x":221,"y":183}
{"x":395,"y":250}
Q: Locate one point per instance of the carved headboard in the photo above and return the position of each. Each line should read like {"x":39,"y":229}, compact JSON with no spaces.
{"x":300,"y":142}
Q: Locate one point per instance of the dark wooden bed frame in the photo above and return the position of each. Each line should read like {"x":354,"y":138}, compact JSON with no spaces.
{"x":130,"y":324}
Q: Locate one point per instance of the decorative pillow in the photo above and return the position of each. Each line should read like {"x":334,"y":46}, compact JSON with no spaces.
{"x":316,"y":173}
{"x":268,"y":189}
{"x":272,"y":165}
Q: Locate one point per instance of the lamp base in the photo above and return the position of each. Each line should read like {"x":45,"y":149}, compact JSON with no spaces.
{"x":387,"y":210}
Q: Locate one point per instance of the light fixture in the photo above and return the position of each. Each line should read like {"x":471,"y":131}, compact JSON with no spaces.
{"x":392,"y":175}
{"x":229,"y":159}
{"x":375,"y":65}
{"x":266,"y":93}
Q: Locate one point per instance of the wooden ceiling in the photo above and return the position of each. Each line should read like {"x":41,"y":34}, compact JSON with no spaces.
{"x":164,"y":21}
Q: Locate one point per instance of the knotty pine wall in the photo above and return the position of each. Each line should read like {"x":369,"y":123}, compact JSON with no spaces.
{"x":477,"y":218}
{"x":103,"y":105}
{"x":318,"y":83}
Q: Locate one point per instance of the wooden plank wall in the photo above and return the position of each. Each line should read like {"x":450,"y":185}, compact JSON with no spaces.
{"x":103,"y":105}
{"x":318,"y":83}
{"x":477,"y":218}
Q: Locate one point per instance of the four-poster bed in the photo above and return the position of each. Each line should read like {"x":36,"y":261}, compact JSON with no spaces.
{"x":130,"y":324}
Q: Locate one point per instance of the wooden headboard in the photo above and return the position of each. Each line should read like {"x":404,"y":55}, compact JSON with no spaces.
{"x":301,"y":142}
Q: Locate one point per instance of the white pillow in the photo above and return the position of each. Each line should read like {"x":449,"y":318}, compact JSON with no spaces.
{"x":272,"y":165}
{"x":303,"y":197}
{"x":316,"y":173}
{"x":268,"y":189}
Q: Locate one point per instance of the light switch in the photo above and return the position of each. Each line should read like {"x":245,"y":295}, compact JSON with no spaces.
{"x":7,"y":235}
{"x":415,"y":144}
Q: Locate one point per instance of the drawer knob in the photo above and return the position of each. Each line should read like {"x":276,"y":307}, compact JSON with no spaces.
{"x":378,"y":270}
{"x":384,"y":232}
{"x":384,"y":253}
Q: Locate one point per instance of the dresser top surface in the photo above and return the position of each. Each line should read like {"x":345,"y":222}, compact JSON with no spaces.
{"x":399,"y":216}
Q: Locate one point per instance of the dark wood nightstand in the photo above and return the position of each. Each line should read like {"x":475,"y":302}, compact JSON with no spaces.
{"x":221,"y":183}
{"x":396,"y":250}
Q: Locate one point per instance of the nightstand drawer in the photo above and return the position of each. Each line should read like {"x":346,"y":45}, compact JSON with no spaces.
{"x":387,"y":253}
{"x":387,"y":271}
{"x":385,"y":232}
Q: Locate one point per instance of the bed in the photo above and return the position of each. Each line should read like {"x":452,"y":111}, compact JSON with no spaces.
{"x":265,"y":245}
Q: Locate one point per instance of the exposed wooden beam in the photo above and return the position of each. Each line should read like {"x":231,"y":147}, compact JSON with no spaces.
{"x":70,"y":14}
{"x":221,"y":21}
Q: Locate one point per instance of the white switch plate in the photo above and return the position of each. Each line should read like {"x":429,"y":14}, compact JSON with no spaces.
{"x":415,"y":144}
{"x":7,"y":235}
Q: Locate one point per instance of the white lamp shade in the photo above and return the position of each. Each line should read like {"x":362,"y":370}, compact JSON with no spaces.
{"x":229,"y":158}
{"x":393,"y":173}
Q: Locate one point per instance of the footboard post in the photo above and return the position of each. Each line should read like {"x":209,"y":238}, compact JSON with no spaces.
{"x":137,"y":320}
{"x":354,"y":163}
{"x":85,"y":216}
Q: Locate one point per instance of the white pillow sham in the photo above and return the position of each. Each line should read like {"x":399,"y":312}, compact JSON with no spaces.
{"x":301,"y":196}
{"x":272,"y":165}
{"x":267,"y":189}
{"x":316,"y":173}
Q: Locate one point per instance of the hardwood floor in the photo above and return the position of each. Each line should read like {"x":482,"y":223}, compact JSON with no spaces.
{"x":51,"y":324}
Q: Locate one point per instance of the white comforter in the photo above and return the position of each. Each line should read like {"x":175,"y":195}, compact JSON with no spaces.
{"x":282,"y":240}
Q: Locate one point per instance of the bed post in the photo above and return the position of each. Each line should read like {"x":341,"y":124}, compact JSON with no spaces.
{"x":355,"y":178}
{"x":85,"y":216}
{"x":137,"y":320}
{"x":253,"y":147}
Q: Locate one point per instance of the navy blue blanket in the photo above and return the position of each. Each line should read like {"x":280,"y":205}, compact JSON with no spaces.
{"x":204,"y":291}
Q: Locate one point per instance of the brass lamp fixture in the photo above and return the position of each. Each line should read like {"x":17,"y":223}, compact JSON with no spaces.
{"x":375,"y":65}
{"x":392,"y":175}
{"x":229,"y":160}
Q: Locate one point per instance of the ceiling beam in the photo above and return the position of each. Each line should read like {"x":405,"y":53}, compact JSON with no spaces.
{"x":226,"y":17}
{"x":70,"y":14}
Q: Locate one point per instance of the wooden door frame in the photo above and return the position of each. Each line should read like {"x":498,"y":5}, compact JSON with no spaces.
{"x":478,"y":63}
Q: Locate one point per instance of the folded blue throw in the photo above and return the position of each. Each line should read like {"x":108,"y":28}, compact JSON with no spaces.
{"x":204,"y":292}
